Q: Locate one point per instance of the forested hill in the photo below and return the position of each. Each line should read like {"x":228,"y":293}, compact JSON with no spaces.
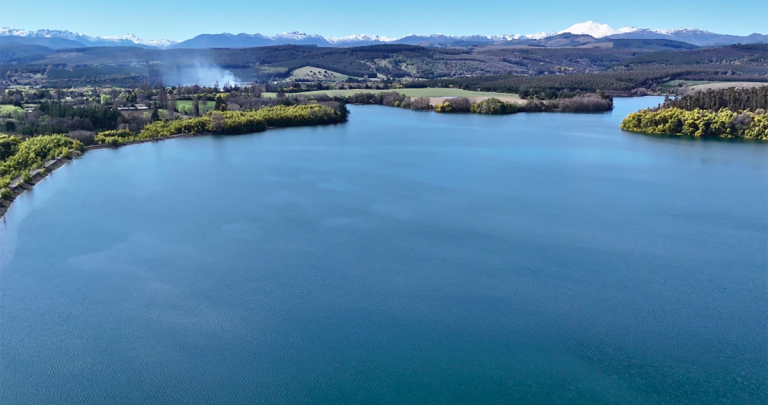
{"x":632,"y":64}
{"x":84,"y":65}
{"x":734,"y":54}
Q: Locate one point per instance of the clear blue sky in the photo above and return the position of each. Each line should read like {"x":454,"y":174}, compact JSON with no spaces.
{"x":176,"y":19}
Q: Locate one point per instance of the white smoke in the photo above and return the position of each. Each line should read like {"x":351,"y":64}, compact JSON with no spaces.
{"x":203,"y":74}
{"x":208,"y":75}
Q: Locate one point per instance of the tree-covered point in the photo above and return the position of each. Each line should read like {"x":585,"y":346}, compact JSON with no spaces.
{"x":699,"y":123}
{"x":730,"y":113}
{"x":734,"y":99}
{"x":234,"y":122}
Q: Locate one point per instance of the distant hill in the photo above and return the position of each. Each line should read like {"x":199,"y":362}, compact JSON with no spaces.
{"x":53,"y":43}
{"x":651,"y":44}
{"x":250,"y":40}
{"x":23,"y":53}
{"x":734,"y":55}
{"x":692,"y":36}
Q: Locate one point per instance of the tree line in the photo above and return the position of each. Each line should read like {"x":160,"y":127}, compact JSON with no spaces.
{"x":735,"y":99}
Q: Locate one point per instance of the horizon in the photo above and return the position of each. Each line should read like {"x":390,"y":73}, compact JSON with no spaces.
{"x":342,"y":20}
{"x":378,"y":36}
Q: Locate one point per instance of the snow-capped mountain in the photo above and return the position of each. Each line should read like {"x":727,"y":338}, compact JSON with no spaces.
{"x":68,"y":39}
{"x":596,"y":30}
{"x":85,"y":40}
{"x":358,"y":38}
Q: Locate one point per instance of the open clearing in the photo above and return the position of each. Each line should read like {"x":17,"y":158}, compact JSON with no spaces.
{"x":317,"y":74}
{"x":726,"y":85}
{"x":205,"y":106}
{"x":714,"y":85}
{"x":436,"y":95}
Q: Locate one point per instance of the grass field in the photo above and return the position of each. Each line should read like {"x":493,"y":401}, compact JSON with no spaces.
{"x":675,"y":83}
{"x":204,"y":106}
{"x":725,"y":85}
{"x":208,"y":104}
{"x":317,"y":74}
{"x":704,"y":85}
{"x":435,"y":94}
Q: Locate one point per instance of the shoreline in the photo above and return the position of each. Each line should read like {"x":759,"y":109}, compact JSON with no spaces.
{"x":22,"y":187}
{"x":7,"y":202}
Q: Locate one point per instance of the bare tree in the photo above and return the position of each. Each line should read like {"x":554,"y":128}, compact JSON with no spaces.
{"x":217,"y":121}
{"x":171,"y":105}
{"x":162,"y":96}
{"x":195,"y":107}
{"x":256,"y":91}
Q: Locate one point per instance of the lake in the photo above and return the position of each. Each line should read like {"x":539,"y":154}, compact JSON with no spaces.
{"x":401,"y":258}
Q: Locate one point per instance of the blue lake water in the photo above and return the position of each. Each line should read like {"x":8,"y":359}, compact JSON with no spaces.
{"x":401,"y":258}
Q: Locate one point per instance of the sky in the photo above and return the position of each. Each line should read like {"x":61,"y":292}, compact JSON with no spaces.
{"x":180,"y":20}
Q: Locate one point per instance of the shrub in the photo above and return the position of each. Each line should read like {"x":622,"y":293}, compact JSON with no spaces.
{"x":444,"y":107}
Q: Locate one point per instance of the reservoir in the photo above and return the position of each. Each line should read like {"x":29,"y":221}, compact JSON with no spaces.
{"x":401,"y":258}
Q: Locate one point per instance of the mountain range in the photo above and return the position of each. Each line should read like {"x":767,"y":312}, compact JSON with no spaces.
{"x":67,"y":39}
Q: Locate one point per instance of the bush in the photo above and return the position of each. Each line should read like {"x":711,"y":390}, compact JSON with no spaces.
{"x":444,"y":107}
{"x":5,"y":193}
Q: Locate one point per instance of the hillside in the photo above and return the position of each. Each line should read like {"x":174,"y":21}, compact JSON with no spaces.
{"x":566,"y":53}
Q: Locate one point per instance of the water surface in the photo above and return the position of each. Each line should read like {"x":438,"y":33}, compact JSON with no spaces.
{"x":401,"y":258}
